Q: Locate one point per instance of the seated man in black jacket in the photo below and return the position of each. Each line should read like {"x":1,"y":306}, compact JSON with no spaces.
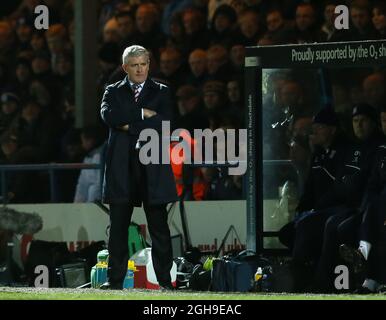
{"x":331,"y":187}
{"x":366,"y":231}
{"x":368,"y":138}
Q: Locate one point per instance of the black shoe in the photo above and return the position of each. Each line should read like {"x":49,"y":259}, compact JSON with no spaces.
{"x":167,"y":287}
{"x":382,"y":289}
{"x":353,"y":257}
{"x":111,"y":286}
{"x":363,"y":290}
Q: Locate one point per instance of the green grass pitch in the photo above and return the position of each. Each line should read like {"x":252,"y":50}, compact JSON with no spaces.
{"x":8,"y":293}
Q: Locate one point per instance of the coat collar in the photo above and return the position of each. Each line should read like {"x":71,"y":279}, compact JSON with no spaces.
{"x":148,"y":83}
{"x":147,"y":89}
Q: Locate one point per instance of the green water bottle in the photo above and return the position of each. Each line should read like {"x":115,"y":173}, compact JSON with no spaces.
{"x":103,"y":256}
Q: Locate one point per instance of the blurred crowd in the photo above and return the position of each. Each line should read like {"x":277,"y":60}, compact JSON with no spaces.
{"x":197,"y":48}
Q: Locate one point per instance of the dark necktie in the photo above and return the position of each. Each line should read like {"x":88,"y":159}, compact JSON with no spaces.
{"x":136,"y":91}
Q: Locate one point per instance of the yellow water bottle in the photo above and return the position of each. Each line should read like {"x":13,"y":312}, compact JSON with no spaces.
{"x":258,"y":279}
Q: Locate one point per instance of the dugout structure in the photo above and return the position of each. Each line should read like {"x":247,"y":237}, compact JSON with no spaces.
{"x":321,"y":68}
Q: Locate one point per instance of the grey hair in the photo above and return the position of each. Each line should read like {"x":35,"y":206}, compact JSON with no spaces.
{"x":134,"y":51}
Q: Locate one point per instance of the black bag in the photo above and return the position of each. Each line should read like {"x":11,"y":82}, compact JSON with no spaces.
{"x":282,"y":277}
{"x":200,"y":279}
{"x":72,"y":275}
{"x":49,"y":254}
{"x":54,"y":255}
{"x":184,"y":272}
{"x":231,"y":276}
{"x":236,"y":274}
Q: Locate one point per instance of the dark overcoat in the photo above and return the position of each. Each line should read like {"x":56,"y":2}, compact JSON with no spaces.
{"x":119,"y":108}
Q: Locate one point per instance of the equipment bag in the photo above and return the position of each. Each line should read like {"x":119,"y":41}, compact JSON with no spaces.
{"x":228,"y":275}
{"x":200,"y":280}
{"x":49,"y":254}
{"x":236,"y":274}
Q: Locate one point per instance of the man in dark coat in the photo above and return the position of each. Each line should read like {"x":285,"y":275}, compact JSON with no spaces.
{"x":128,"y":107}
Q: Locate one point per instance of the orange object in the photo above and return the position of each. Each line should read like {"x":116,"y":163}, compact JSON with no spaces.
{"x":199,"y":185}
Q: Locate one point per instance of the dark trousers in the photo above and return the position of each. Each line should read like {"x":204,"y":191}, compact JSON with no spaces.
{"x":368,"y":226}
{"x":373,"y":230}
{"x":372,"y":224}
{"x":348,"y":230}
{"x":309,"y":234}
{"x":156,"y":216}
{"x":329,"y":256}
{"x":305,"y":237}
